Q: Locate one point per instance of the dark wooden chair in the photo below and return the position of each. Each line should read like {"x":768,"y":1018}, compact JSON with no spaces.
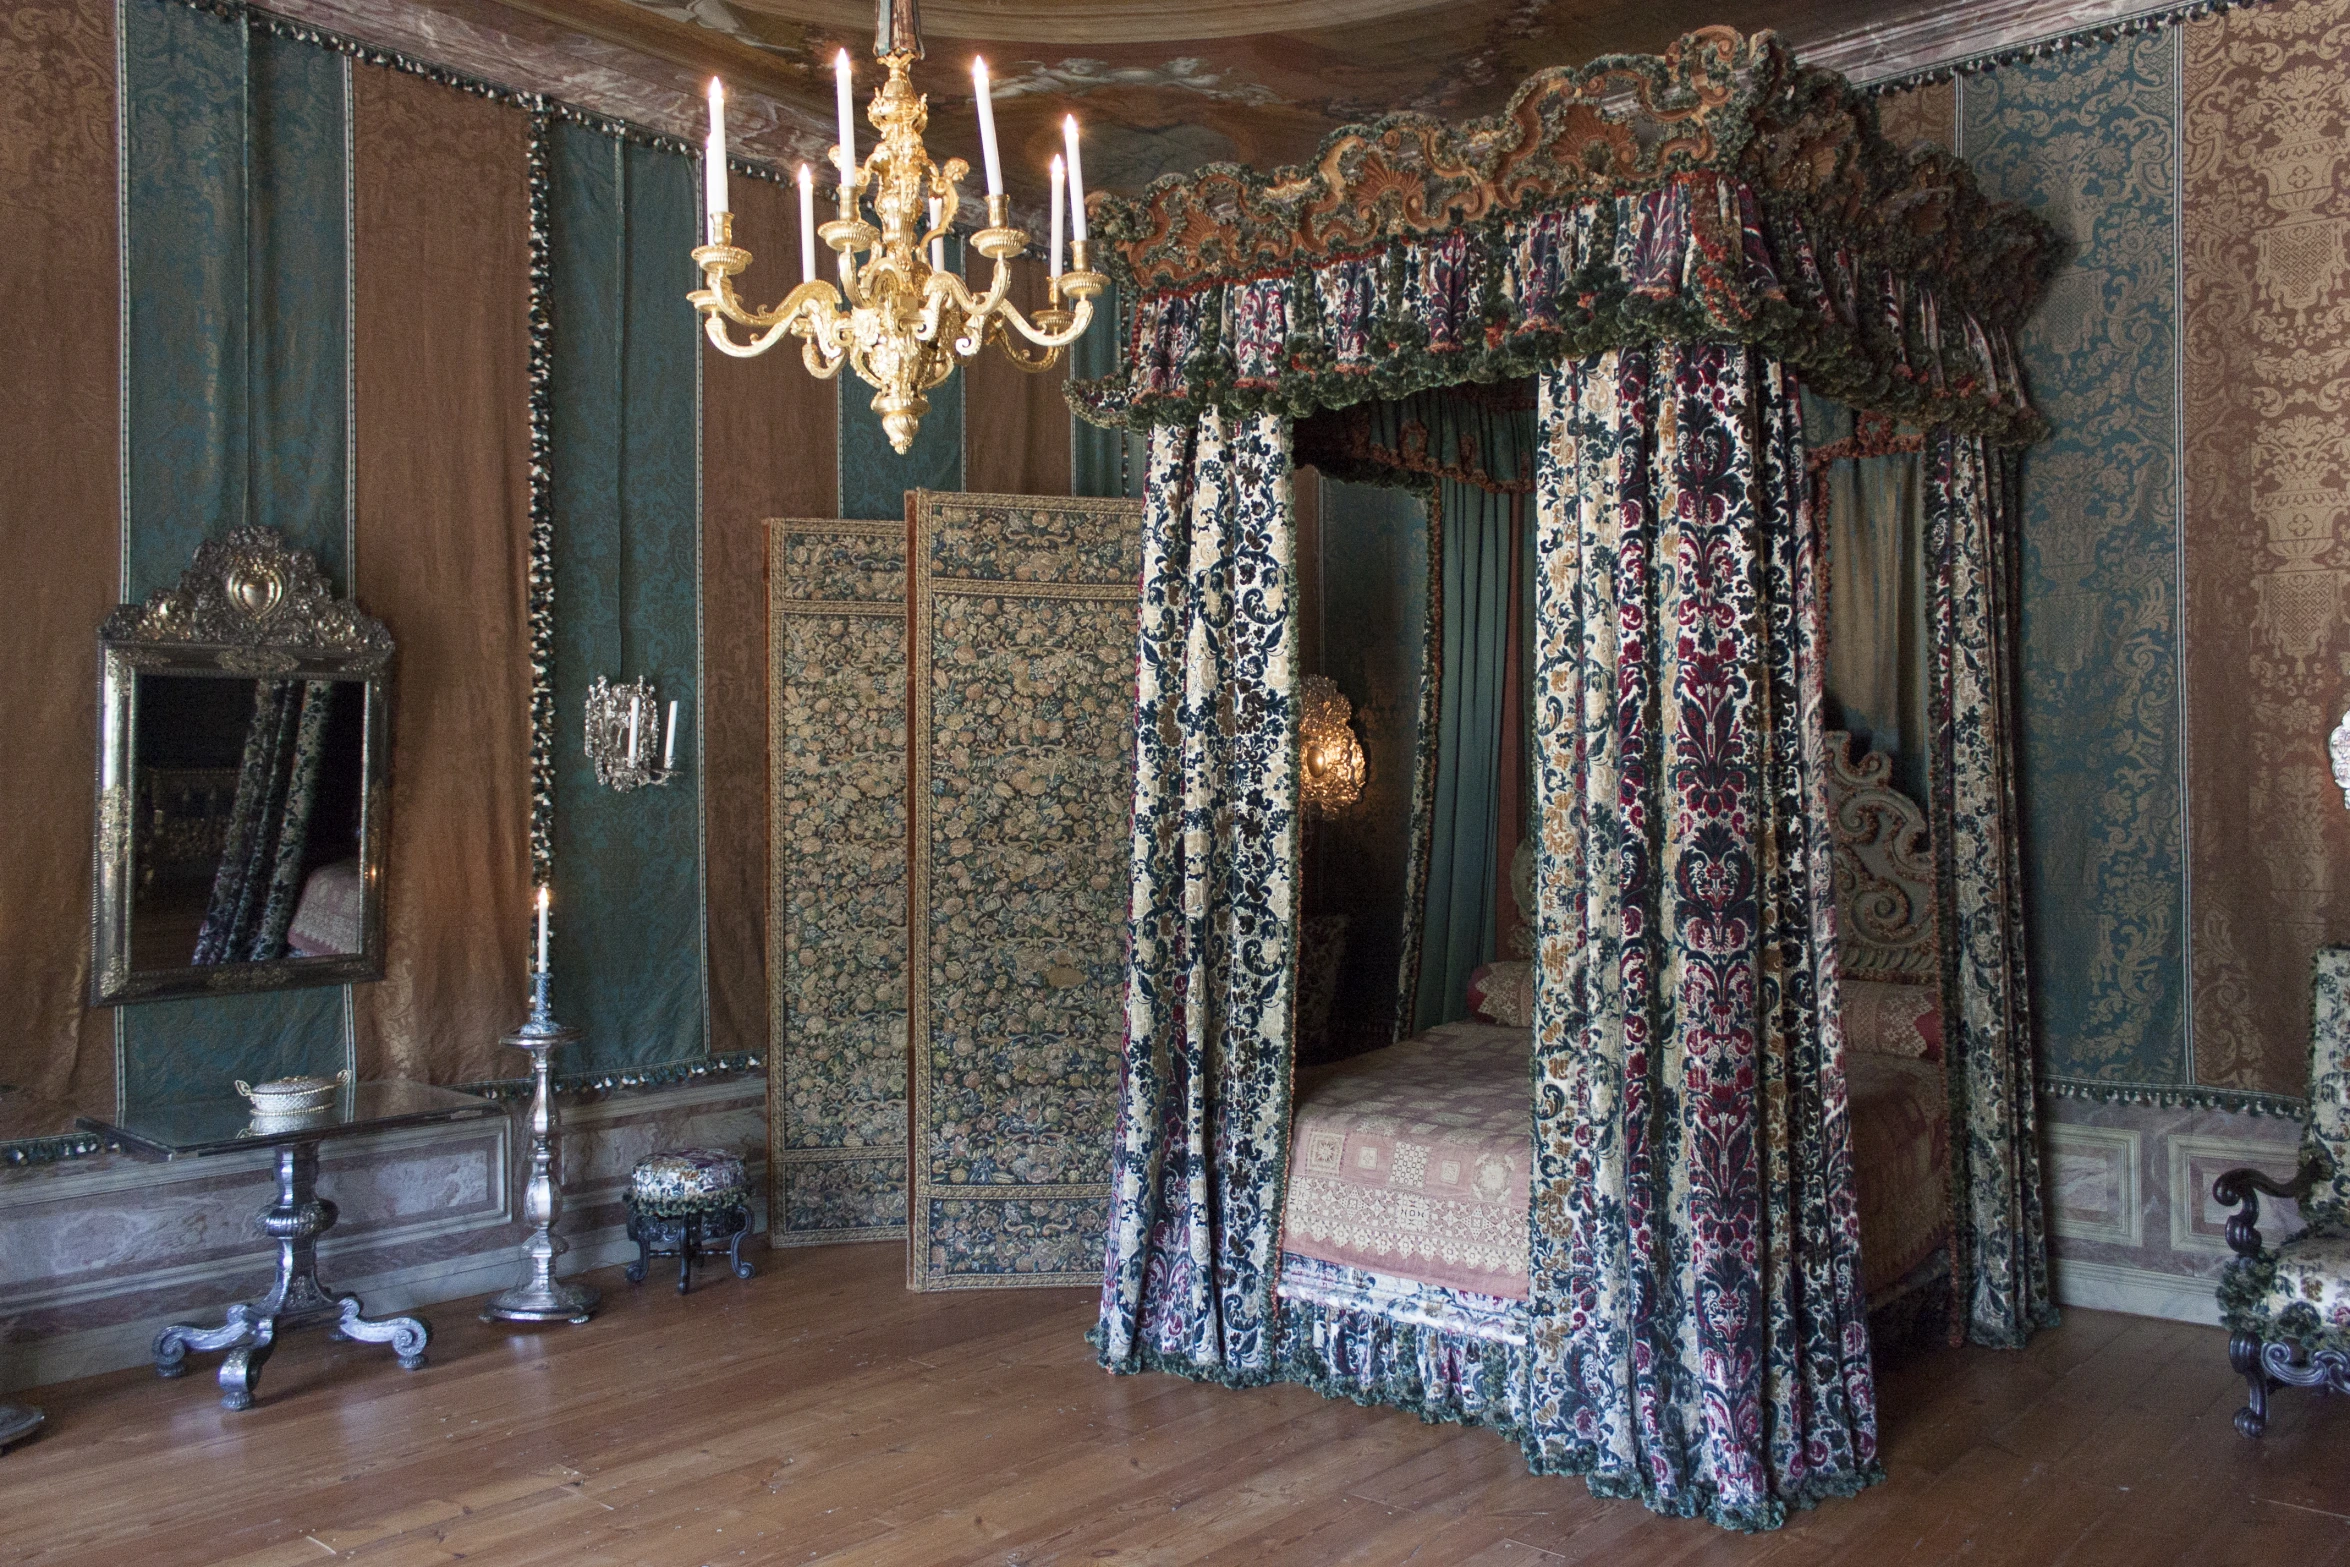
{"x":2288,"y":1307}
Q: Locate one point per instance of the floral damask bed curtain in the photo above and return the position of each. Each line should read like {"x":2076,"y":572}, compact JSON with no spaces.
{"x":1202,"y":1142}
{"x":2002,"y":1253}
{"x":259,"y":880}
{"x":1698,"y":1328}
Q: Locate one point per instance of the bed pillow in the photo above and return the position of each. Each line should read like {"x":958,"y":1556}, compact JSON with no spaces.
{"x":1504,"y":993}
{"x":1893,"y":1020}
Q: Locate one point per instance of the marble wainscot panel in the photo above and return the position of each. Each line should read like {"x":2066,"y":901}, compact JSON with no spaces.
{"x":97,"y":1254}
{"x":2133,"y":1224}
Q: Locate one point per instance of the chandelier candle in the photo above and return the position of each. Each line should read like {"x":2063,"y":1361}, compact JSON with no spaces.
{"x":842,"y":100}
{"x":807,"y":225}
{"x":1076,"y":181}
{"x":1060,"y":184}
{"x":988,"y":155}
{"x":542,"y":930}
{"x":714,"y":161}
{"x":896,"y":315}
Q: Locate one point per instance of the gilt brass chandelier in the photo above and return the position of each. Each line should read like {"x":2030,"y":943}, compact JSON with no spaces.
{"x":897,"y":316}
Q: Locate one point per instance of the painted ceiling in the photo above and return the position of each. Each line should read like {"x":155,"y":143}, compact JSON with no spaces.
{"x":1162,"y":85}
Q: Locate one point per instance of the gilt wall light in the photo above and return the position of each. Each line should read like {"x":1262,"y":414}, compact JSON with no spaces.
{"x":1330,"y":771}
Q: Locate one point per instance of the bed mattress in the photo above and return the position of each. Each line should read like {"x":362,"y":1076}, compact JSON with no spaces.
{"x":1410,"y":1165}
{"x":1412,"y":1161}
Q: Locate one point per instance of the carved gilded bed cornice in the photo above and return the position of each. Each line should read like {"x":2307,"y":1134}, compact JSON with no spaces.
{"x":1716,"y":101}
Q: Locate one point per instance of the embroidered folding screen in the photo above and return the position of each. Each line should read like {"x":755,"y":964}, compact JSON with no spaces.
{"x":1671,"y":245}
{"x":1021,"y":767}
{"x":836,"y":714}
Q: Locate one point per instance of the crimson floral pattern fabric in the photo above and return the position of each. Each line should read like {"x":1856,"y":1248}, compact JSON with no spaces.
{"x":1697,"y":258}
{"x":1698,"y":1331}
{"x":1202,"y":1141}
{"x":2001,"y":1255}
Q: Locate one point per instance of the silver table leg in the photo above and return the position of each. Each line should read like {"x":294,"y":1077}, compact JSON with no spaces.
{"x":18,"y":1421}
{"x":250,"y":1329}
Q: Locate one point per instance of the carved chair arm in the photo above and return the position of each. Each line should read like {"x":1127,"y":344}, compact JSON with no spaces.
{"x":2242,"y":1189}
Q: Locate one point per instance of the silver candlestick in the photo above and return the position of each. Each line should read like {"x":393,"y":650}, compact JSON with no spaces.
{"x":540,"y":1296}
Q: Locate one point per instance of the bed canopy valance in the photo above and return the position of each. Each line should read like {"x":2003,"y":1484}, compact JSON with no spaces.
{"x":1609,"y":299}
{"x":1719,"y":192}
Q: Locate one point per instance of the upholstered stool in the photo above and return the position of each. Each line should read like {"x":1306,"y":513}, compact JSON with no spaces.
{"x":685,"y":1203}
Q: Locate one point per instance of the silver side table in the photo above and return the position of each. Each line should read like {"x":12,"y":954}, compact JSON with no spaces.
{"x":201,"y":1128}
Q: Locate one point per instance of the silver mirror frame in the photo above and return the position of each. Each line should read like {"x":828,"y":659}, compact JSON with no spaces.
{"x":252,"y":607}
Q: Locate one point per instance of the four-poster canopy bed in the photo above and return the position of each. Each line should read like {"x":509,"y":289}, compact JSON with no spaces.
{"x":1674,"y":250}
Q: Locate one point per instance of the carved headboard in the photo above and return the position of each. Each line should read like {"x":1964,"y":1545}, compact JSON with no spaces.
{"x":1884,"y":871}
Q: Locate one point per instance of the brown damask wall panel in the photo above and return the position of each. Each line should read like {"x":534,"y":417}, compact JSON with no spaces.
{"x":1921,"y":117}
{"x":60,"y":538}
{"x":440,"y":360}
{"x":2266,"y":159}
{"x":768,"y":434}
{"x":1015,"y":425}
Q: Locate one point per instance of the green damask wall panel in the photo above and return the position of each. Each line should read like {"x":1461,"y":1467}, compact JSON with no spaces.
{"x":628,"y":951}
{"x":874,"y":479}
{"x":1023,"y":633}
{"x":2090,"y":138}
{"x":184,"y":234}
{"x":236,"y":409}
{"x":836,"y":714}
{"x":1374,"y":574}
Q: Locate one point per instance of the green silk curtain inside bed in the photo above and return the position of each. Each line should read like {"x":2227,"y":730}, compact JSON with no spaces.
{"x":1465,"y":847}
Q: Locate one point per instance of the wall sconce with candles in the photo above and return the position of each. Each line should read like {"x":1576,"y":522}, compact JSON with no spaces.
{"x":1330,"y":758}
{"x":624,"y":730}
{"x":898,"y":317}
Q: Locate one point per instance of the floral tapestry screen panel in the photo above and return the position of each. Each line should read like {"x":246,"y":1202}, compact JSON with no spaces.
{"x":1020,"y":778}
{"x":1202,"y":1145}
{"x":1697,"y":1328}
{"x":836,"y":966}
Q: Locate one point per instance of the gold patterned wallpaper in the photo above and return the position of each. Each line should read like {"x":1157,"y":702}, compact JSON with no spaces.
{"x":2265,"y":137}
{"x":2183,"y":607}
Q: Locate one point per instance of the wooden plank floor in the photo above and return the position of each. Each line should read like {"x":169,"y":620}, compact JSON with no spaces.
{"x":819,"y":1413}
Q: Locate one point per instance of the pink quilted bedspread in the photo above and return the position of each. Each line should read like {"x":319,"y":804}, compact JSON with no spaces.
{"x":1413,"y":1160}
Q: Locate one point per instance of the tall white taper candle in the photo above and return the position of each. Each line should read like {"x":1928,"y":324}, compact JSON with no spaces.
{"x":848,"y":122}
{"x":635,"y":706}
{"x":987,"y":148}
{"x":669,"y":745}
{"x":1060,"y":181}
{"x":714,"y":159}
{"x":542,"y":930}
{"x":1076,"y":178}
{"x":807,"y":225}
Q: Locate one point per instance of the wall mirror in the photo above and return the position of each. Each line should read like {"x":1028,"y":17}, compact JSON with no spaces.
{"x":240,"y":781}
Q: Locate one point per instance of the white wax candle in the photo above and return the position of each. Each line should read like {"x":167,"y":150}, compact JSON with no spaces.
{"x":714,"y":158}
{"x":542,"y":930}
{"x":987,"y":148}
{"x":938,"y":246}
{"x":669,"y":745}
{"x":807,"y":225}
{"x":1060,"y":179}
{"x":635,"y":703}
{"x":1076,"y":178}
{"x":848,"y":123}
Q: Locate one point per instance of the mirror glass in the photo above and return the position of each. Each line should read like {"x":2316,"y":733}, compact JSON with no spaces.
{"x":248,"y":820}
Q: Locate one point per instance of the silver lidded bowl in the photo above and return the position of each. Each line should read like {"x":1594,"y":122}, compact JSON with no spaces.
{"x":292,"y":1095}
